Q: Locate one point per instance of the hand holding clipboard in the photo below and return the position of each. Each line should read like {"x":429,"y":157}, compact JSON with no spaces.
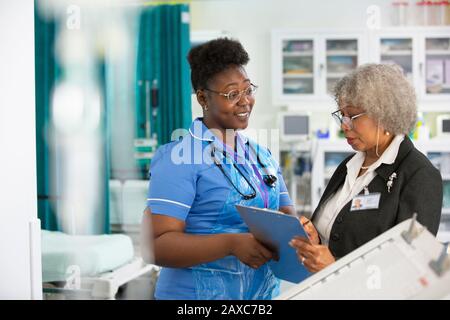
{"x":275,"y":230}
{"x":310,"y":252}
{"x":312,"y":233}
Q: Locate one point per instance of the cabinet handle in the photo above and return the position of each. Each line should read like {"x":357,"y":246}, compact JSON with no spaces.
{"x":321,"y":66}
{"x":421,"y":69}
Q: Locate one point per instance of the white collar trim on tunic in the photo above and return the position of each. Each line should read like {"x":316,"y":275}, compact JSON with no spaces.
{"x":204,"y":129}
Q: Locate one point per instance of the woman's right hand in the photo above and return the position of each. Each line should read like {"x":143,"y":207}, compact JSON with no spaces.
{"x":249,"y":251}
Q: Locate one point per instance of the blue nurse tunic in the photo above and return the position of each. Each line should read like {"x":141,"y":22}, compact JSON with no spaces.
{"x":186,"y":184}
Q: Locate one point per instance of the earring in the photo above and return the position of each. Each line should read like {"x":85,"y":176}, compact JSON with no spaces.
{"x":206,"y":108}
{"x":387,"y":133}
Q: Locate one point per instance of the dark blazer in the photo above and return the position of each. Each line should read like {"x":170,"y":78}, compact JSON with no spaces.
{"x":417,"y":188}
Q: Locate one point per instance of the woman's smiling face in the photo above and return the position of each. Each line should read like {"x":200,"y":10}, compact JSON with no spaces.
{"x":223,"y":113}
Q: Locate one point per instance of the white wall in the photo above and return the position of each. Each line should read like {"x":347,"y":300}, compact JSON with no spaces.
{"x":251,"y":21}
{"x":20,"y":270}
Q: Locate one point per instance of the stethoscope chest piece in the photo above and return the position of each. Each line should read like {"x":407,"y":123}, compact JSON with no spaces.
{"x":269,"y":179}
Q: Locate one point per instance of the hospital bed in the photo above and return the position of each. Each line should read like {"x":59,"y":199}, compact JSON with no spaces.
{"x":90,"y":266}
{"x":104,"y":263}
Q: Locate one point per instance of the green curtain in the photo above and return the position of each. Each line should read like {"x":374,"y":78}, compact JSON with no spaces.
{"x":46,"y":73}
{"x":162,"y":66}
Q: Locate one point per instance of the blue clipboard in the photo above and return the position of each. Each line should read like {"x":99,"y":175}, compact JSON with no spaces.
{"x":275,"y":229}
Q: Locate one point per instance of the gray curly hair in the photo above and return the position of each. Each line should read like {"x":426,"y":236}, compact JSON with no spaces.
{"x":383,"y":92}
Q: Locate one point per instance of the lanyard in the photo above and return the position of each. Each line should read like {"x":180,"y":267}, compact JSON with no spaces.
{"x":261,"y":185}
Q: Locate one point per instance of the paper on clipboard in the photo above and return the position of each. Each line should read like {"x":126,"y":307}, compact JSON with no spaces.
{"x":275,"y":230}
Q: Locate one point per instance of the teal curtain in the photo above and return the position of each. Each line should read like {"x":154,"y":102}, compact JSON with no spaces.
{"x":46,"y":73}
{"x":104,"y":204}
{"x":161,"y":100}
{"x":163,"y":76}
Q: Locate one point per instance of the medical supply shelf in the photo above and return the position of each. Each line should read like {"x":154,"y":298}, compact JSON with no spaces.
{"x":295,"y":160}
{"x":326,"y":155}
{"x":423,"y":53}
{"x":306,"y":64}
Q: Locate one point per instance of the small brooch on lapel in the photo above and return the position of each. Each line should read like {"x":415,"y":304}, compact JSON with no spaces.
{"x":391,"y":181}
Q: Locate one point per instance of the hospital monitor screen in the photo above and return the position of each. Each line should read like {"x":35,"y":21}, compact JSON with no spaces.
{"x":295,"y":127}
{"x":446,"y":126}
{"x":443,"y":125}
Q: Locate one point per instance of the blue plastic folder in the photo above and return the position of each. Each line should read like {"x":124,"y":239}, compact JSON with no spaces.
{"x":275,"y":229}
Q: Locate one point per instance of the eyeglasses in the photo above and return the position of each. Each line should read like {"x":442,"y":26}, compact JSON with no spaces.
{"x":348,"y":121}
{"x":235,"y":95}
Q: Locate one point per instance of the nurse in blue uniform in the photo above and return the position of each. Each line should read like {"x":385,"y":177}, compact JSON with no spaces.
{"x":199,"y":239}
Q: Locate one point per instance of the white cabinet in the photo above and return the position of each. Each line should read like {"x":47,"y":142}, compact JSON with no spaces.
{"x":308,"y":169}
{"x":440,"y":156}
{"x":400,"y":48}
{"x":424,"y":55}
{"x":307,"y":65}
{"x":435,"y":60}
{"x":438,"y":151}
{"x":328,"y":154}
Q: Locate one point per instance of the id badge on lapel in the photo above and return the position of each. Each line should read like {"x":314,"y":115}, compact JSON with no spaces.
{"x":366,"y":201}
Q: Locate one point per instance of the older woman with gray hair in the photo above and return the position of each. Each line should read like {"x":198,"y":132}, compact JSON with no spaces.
{"x":385,"y":182}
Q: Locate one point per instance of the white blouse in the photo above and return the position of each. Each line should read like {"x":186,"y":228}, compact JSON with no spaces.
{"x":324,"y":219}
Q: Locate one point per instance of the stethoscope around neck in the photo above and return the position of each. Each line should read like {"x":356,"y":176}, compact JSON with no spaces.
{"x":269,"y":179}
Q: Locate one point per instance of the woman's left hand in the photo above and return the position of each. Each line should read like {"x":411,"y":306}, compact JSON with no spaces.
{"x":310,"y":230}
{"x":314,"y":257}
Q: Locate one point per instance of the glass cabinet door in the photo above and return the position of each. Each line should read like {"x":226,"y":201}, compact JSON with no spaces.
{"x":441,"y":160}
{"x":341,"y":58}
{"x":298,"y":67}
{"x":437,"y":65}
{"x":332,"y":161}
{"x":296,"y":170}
{"x":446,"y":203}
{"x":398,"y":51}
